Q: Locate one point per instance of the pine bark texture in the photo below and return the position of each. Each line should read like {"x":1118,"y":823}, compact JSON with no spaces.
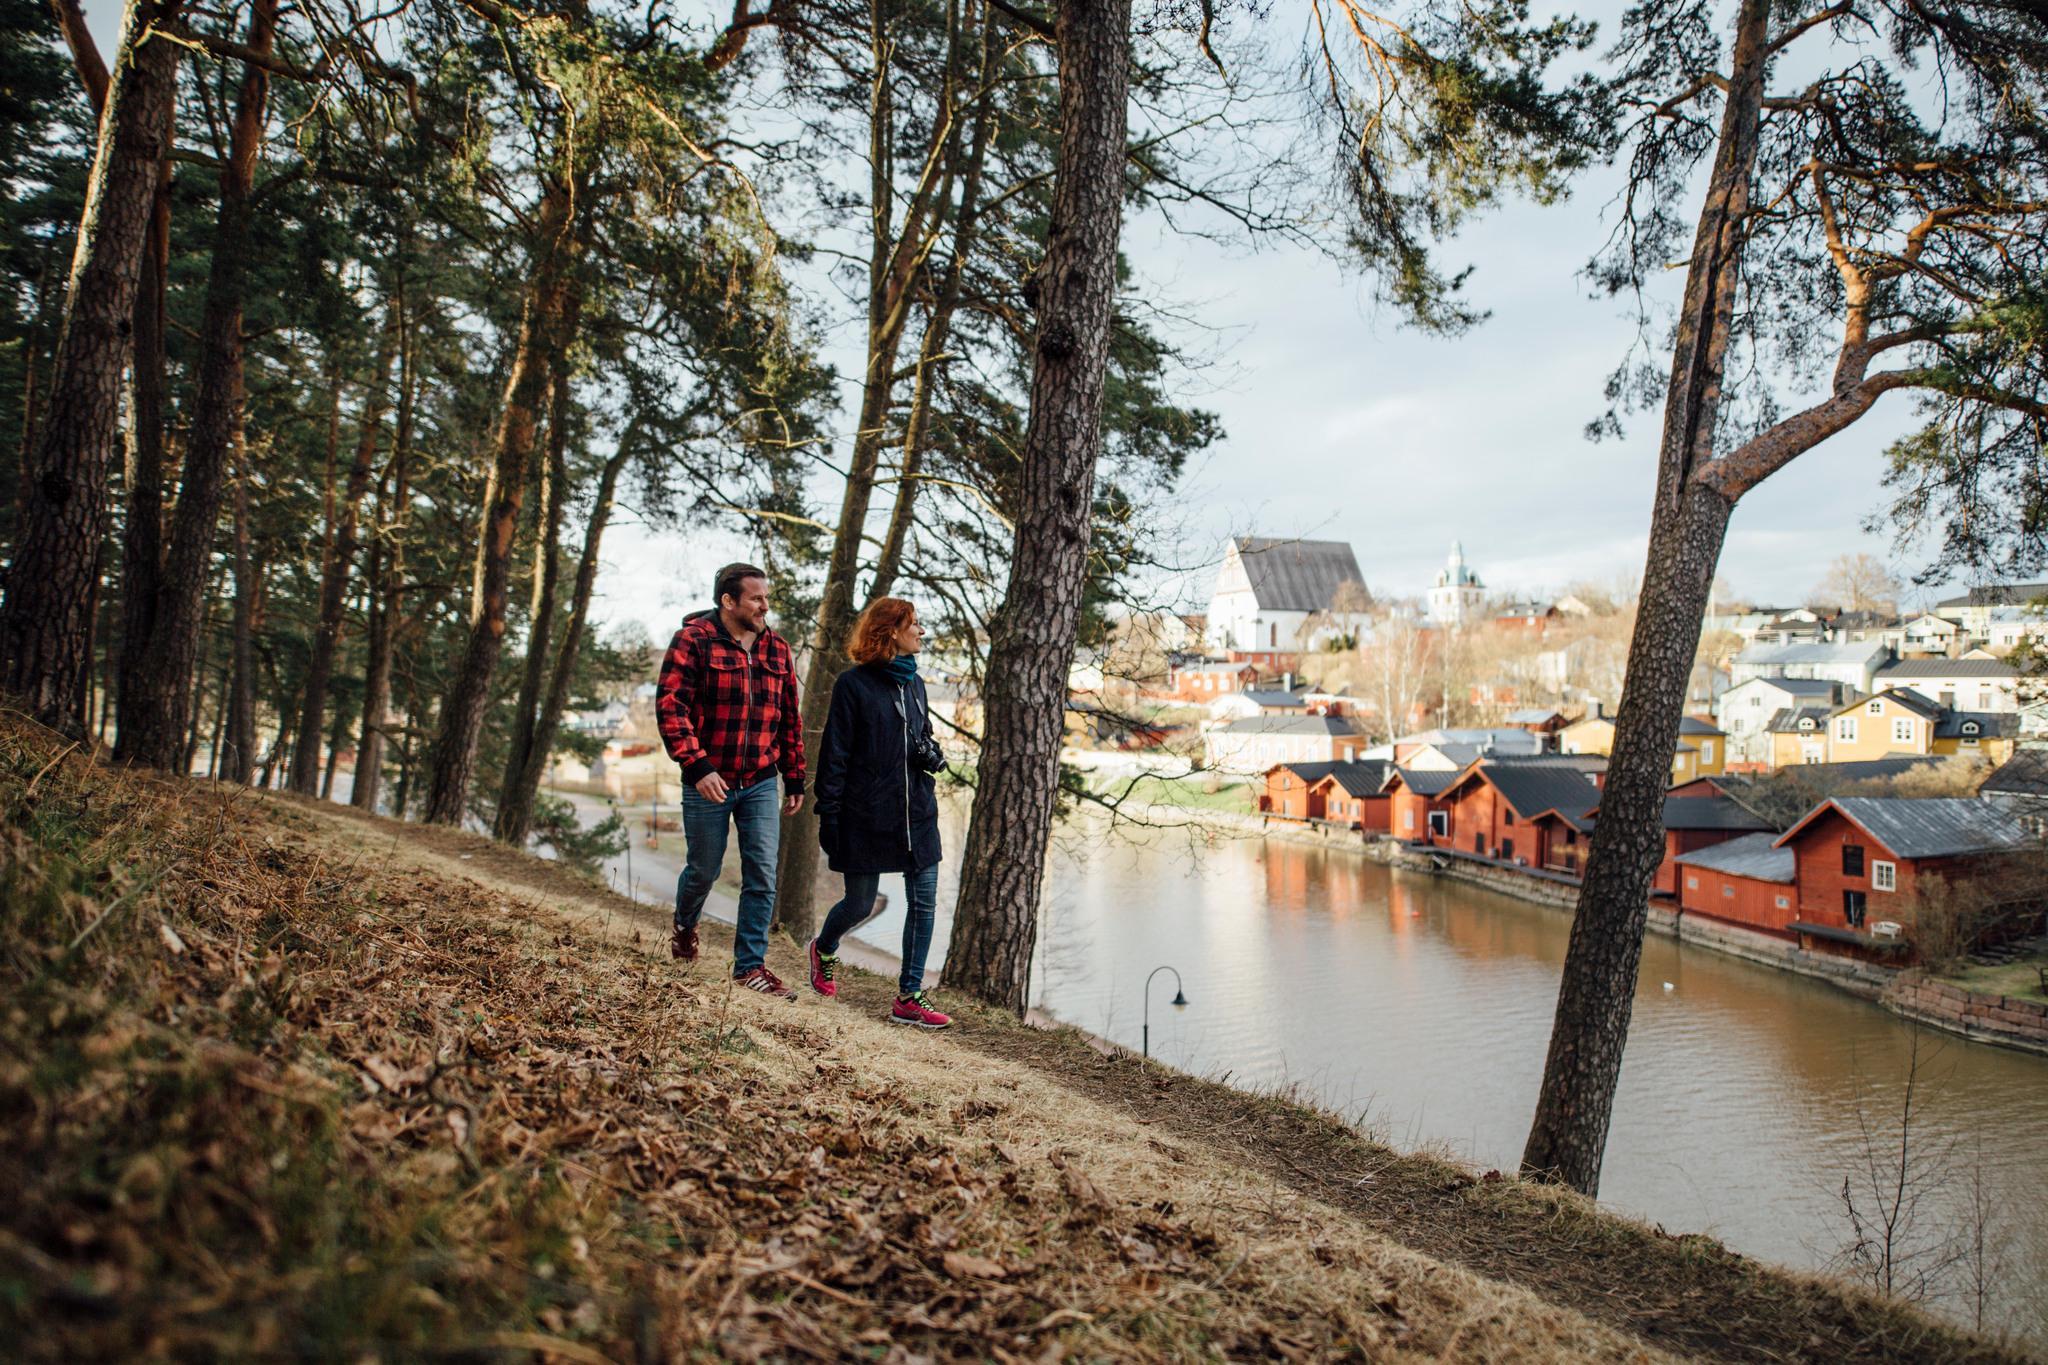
{"x":1689,"y":520}
{"x":540,"y":337}
{"x":153,"y":727}
{"x":142,"y":530}
{"x":46,"y":619}
{"x":339,"y":566}
{"x":1032,"y":646}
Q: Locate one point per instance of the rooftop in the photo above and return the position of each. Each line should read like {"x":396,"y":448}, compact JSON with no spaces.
{"x":1838,"y":653}
{"x":1949,"y":668}
{"x":2024,"y":774}
{"x":1899,"y":696}
{"x":1296,"y":575}
{"x":1309,"y":773}
{"x":1693,"y":725}
{"x":1798,"y":687}
{"x":1940,"y":827}
{"x":1362,"y":778}
{"x":1787,"y":720}
{"x":1752,"y":855}
{"x":1291,"y":725}
{"x":1975,"y":724}
{"x":1709,"y":812}
{"x":1423,"y":781}
{"x":1532,"y":788}
{"x":1273,"y":697}
{"x":1997,"y":595}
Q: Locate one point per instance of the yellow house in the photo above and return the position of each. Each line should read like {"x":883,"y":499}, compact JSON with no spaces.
{"x":1895,"y":721}
{"x":1976,"y":734}
{"x":1710,"y":741}
{"x":1593,"y":735}
{"x":1799,"y":735}
{"x":1689,"y":757}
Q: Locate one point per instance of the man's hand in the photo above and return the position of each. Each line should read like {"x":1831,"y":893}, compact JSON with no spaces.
{"x":712,"y":788}
{"x":792,"y":804}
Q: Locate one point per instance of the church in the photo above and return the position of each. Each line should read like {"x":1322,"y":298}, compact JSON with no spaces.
{"x":1276,"y":597}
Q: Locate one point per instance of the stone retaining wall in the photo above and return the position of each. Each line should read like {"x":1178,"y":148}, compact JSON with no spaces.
{"x":2004,"y":1019}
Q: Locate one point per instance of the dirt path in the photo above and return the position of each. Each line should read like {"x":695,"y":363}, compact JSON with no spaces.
{"x":1685,"y":1295}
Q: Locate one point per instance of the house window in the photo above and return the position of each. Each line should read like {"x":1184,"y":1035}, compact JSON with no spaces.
{"x":1479,"y":842}
{"x":1853,"y":903}
{"x":1902,"y":732}
{"x":1845,"y":729}
{"x":1571,"y":836}
{"x":1706,"y":751}
{"x":1852,"y":860}
{"x":1273,"y":637}
{"x":1784,"y":902}
{"x":1440,"y":822}
{"x":1692,"y":883}
{"x":1507,"y":850}
{"x":1876,"y":708}
{"x":1508,"y":817}
{"x":1884,"y":876}
{"x":1727,"y":892}
{"x":1407,"y":819}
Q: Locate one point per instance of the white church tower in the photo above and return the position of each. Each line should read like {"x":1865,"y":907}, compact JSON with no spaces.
{"x":1458,"y":595}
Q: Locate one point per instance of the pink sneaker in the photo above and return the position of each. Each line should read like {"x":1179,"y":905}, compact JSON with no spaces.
{"x":912,"y":1009}
{"x":822,"y":967}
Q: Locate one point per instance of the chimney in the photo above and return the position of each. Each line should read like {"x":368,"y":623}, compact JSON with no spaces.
{"x":1287,"y":682}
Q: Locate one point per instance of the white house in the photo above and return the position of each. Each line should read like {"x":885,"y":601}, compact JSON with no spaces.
{"x":1928,"y":634}
{"x":1855,"y":663}
{"x":1973,"y":609}
{"x":1744,"y":711}
{"x":1458,"y":594}
{"x":1958,"y":684}
{"x":1266,"y":591}
{"x":2007,"y":626}
{"x":1249,"y":747}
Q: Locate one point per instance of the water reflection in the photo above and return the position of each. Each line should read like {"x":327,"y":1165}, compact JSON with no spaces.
{"x":1422,"y":1007}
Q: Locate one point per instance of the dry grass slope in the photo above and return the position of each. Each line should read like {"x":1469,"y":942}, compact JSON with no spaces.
{"x":283,"y":1080}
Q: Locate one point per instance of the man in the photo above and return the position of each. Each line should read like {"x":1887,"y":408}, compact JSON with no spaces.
{"x":726,"y":705}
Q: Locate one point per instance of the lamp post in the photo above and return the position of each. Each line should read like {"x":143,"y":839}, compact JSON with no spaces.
{"x":1180,"y":1002}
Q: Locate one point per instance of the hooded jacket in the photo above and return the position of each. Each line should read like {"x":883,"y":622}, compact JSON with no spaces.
{"x":878,"y":810}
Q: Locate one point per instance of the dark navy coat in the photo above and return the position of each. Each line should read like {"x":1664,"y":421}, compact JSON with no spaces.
{"x":877,"y":807}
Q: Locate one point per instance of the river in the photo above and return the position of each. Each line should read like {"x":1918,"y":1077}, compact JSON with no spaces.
{"x":1420,"y":1008}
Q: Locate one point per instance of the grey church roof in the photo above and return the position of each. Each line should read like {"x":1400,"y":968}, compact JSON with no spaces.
{"x":1296,"y":575}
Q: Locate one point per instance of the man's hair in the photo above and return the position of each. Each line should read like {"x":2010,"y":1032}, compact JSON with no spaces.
{"x":874,"y":635}
{"x":729,"y":579}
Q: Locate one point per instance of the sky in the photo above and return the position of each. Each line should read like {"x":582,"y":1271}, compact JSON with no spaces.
{"x":1341,"y":424}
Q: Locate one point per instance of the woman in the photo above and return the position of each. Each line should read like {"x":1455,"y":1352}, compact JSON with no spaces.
{"x":877,"y":811}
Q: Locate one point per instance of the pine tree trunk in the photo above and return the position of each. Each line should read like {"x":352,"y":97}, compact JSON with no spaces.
{"x":154,"y":735}
{"x":1032,"y":644}
{"x":519,"y":798}
{"x":238,"y":761}
{"x":514,"y":816}
{"x":46,"y":620}
{"x":544,"y":333}
{"x":142,"y":531}
{"x":387,"y":579}
{"x":339,"y":565}
{"x":1596,"y":994}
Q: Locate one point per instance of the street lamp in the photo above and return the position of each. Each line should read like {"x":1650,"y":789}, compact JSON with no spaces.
{"x":1180,"y":1002}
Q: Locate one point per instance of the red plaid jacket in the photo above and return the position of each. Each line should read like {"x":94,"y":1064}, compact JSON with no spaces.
{"x":722,"y":709}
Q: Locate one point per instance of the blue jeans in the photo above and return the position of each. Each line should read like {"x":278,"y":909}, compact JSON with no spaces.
{"x":757,"y":810}
{"x":922,"y":888}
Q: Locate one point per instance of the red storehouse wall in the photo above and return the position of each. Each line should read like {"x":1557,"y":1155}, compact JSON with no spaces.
{"x":1738,"y":900}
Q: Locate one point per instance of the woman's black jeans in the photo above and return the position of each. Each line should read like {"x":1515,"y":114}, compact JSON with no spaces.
{"x":922,"y":888}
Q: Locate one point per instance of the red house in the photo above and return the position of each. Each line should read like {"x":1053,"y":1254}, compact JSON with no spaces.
{"x":1350,"y":795}
{"x":1697,"y":822}
{"x":1858,"y":860}
{"x":1416,"y":811}
{"x":1289,"y":790}
{"x":1495,"y":806}
{"x":1748,"y":881}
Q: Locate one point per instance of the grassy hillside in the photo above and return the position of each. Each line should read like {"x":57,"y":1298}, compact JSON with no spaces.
{"x":279,"y":1079}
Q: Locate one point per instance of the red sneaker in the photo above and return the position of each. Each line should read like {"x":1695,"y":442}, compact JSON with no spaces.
{"x":913,"y":1009}
{"x":822,"y":966}
{"x":682,"y":944}
{"x":766,"y":982}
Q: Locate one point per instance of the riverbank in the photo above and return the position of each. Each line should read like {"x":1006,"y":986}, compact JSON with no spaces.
{"x":285,"y":1078}
{"x":2013,"y":1017}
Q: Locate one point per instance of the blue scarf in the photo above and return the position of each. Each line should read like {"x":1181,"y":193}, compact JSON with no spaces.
{"x":902,"y":668}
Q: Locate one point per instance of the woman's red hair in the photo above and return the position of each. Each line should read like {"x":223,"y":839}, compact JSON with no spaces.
{"x":874,"y":634}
